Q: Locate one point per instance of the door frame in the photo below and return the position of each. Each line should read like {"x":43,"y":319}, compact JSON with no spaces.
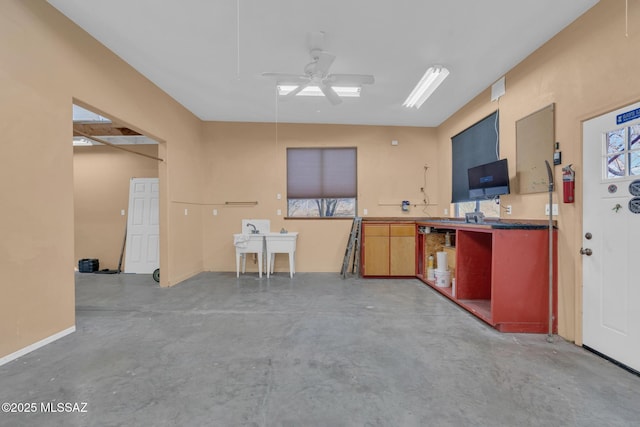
{"x":579,"y":241}
{"x":577,"y":237}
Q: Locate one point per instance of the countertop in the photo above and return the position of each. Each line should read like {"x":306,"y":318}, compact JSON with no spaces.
{"x":453,"y":223}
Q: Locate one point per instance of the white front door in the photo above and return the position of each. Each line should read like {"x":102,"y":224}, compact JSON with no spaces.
{"x":611,"y":235}
{"x":143,"y":227}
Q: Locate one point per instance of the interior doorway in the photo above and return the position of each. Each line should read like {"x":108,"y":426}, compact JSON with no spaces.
{"x":107,"y":154}
{"x":611,"y":235}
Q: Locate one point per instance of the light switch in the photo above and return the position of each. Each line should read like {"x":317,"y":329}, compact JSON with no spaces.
{"x":279,"y":212}
{"x":186,"y":211}
{"x":365,"y":211}
{"x":278,"y":196}
{"x":215,"y":212}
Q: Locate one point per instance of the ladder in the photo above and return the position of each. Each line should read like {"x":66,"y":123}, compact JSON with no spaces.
{"x":352,"y":253}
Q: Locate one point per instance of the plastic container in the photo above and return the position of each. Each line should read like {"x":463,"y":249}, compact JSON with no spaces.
{"x":431,"y":275}
{"x":443,"y":278}
{"x":88,"y":265}
{"x":442,"y":262}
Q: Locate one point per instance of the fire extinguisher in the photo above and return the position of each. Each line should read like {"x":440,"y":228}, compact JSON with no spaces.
{"x":568,"y":184}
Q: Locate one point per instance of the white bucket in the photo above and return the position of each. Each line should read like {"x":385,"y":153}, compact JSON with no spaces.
{"x":443,"y":278}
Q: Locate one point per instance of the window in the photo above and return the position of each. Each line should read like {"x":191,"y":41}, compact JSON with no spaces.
{"x":622,"y":152}
{"x":321,"y":182}
{"x":491,"y":208}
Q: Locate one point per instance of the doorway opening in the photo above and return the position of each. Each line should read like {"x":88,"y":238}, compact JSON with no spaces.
{"x":107,"y":155}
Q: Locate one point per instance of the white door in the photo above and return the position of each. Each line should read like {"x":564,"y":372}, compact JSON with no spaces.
{"x":611,"y":235}
{"x":143,"y":227}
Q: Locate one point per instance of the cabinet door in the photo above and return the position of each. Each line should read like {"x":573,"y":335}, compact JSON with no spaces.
{"x":402,"y":250}
{"x":403,"y":256}
{"x":376,"y":249}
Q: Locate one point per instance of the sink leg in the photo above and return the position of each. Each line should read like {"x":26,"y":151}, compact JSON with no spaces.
{"x":272,"y":261}
{"x":292,"y":264}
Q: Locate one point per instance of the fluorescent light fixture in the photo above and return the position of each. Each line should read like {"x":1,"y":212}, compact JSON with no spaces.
{"x":426,"y":86}
{"x":343,"y":91}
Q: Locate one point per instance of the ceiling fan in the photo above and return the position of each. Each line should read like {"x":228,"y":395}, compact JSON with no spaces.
{"x":316,"y":79}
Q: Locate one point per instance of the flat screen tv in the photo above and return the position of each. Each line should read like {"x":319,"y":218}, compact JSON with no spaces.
{"x":489,"y":180}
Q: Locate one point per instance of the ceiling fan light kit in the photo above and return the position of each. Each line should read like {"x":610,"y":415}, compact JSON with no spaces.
{"x":426,"y":86}
{"x":316,"y":80}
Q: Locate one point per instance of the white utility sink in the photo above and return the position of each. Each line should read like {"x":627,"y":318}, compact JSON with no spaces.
{"x":256,"y":238}
{"x":281,"y":243}
{"x":251,"y":241}
{"x":248,"y":244}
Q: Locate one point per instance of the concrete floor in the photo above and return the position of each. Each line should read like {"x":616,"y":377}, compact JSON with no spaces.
{"x":314,"y":350}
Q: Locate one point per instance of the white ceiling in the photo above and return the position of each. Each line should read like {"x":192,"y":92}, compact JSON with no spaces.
{"x":191,"y":50}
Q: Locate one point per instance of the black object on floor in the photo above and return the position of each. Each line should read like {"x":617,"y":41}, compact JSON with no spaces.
{"x":106,"y":271}
{"x":88,"y":265}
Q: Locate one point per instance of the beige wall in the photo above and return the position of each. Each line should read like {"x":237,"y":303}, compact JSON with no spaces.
{"x":588,"y":69}
{"x":46,"y":64}
{"x":101,"y":177}
{"x":247,"y":162}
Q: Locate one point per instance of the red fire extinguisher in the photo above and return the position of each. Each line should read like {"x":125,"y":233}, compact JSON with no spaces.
{"x":568,"y":184}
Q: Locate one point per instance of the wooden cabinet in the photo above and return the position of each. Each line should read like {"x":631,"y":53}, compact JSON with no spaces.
{"x":502,"y":276}
{"x":501,"y":270}
{"x":388,"y":249}
{"x":375,"y":254}
{"x":402,"y":250}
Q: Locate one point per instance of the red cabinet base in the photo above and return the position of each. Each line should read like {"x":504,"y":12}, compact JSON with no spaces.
{"x":502,"y":275}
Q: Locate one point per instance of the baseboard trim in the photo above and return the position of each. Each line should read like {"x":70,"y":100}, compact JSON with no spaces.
{"x":28,"y":349}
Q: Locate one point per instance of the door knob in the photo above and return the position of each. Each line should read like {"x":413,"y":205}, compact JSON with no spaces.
{"x":588,"y":236}
{"x":586,"y":251}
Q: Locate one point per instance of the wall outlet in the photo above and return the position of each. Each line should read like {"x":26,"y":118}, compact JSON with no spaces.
{"x":508,"y":209}
{"x":278,"y":196}
{"x":446,"y":211}
{"x":186,"y":211}
{"x":215,"y":212}
{"x":279,"y":212}
{"x":554,"y":207}
{"x":122,"y":212}
{"x":365,"y":211}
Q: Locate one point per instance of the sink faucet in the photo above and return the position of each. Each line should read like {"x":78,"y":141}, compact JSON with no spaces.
{"x":254,"y":230}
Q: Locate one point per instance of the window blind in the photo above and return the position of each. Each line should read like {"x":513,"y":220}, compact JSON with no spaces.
{"x":317,"y":173}
{"x":474,"y":146}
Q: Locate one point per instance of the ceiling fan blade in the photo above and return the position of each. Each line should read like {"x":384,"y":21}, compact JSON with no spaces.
{"x":330,"y":94}
{"x":297,"y":90}
{"x":287,"y":78}
{"x":350,"y":79}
